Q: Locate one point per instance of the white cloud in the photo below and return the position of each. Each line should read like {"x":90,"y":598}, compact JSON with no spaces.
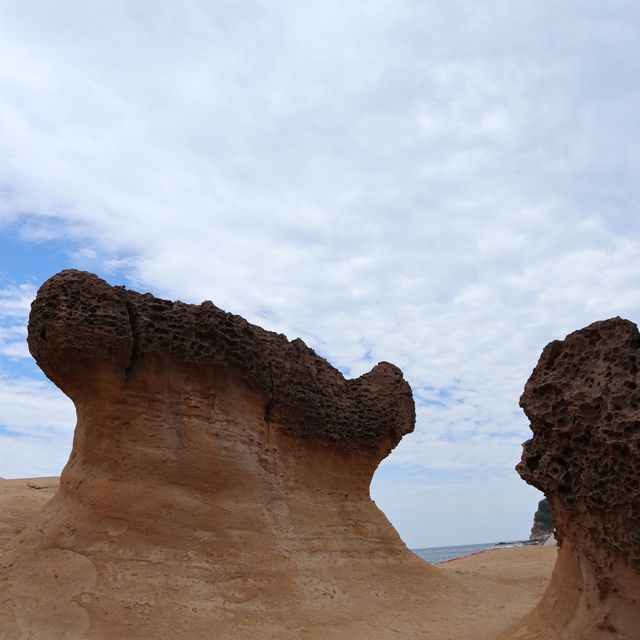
{"x":36,"y":428}
{"x":444,"y":186}
{"x":17,"y":349}
{"x":13,"y":340}
{"x":37,"y":420}
{"x":32,"y":408}
{"x":38,"y":457}
{"x":15,"y":300}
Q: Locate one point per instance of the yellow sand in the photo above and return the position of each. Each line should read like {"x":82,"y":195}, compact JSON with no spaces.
{"x":489,"y":592}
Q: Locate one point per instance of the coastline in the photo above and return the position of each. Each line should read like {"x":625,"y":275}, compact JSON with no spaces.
{"x":440,"y":555}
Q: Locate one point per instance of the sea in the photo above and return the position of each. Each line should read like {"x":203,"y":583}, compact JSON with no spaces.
{"x":434,"y":555}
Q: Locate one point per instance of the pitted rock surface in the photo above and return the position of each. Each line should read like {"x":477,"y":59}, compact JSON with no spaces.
{"x":583,"y":401}
{"x":79,"y":322}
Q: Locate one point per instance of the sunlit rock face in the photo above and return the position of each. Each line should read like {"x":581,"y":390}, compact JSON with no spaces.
{"x":218,"y":484}
{"x":583,"y":401}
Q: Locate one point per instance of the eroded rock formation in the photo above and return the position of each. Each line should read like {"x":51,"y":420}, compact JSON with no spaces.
{"x":218,"y":485}
{"x":583,"y":401}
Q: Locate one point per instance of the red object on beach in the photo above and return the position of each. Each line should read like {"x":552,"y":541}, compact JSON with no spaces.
{"x":475,"y":553}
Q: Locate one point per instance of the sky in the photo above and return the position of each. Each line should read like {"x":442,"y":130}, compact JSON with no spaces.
{"x":447,"y":186}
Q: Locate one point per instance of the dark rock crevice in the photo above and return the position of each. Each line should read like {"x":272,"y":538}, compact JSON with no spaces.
{"x":268,"y":409}
{"x":133,"y":323}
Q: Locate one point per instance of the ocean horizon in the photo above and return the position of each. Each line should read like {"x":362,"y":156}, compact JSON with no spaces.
{"x":435,"y":555}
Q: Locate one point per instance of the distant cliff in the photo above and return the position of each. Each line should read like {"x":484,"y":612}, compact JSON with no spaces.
{"x":542,"y":521}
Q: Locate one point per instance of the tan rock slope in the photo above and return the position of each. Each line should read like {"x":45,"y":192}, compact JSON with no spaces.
{"x":218,"y":485}
{"x":511,"y":581}
{"x":583,"y":401}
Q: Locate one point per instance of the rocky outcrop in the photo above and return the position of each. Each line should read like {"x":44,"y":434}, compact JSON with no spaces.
{"x":218,"y":485}
{"x":83,"y":332}
{"x":542,"y":522}
{"x":583,"y":401}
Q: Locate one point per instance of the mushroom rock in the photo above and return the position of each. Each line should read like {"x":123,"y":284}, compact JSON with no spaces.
{"x":218,"y":485}
{"x":583,"y":401}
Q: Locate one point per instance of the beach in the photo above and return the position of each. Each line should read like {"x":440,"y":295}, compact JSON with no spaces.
{"x":439,"y":555}
{"x":493,"y":589}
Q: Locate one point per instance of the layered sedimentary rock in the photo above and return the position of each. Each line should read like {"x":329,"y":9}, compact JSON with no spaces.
{"x":218,"y":485}
{"x":583,"y":401}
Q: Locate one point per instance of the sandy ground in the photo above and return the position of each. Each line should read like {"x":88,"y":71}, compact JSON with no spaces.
{"x":20,"y":501}
{"x":513,"y":579}
{"x":501,"y":586}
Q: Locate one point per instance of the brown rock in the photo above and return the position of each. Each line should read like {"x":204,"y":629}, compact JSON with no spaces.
{"x":583,"y":402}
{"x":218,"y":485}
{"x":83,"y":332}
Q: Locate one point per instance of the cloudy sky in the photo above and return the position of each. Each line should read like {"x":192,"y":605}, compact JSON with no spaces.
{"x":444,"y":185}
